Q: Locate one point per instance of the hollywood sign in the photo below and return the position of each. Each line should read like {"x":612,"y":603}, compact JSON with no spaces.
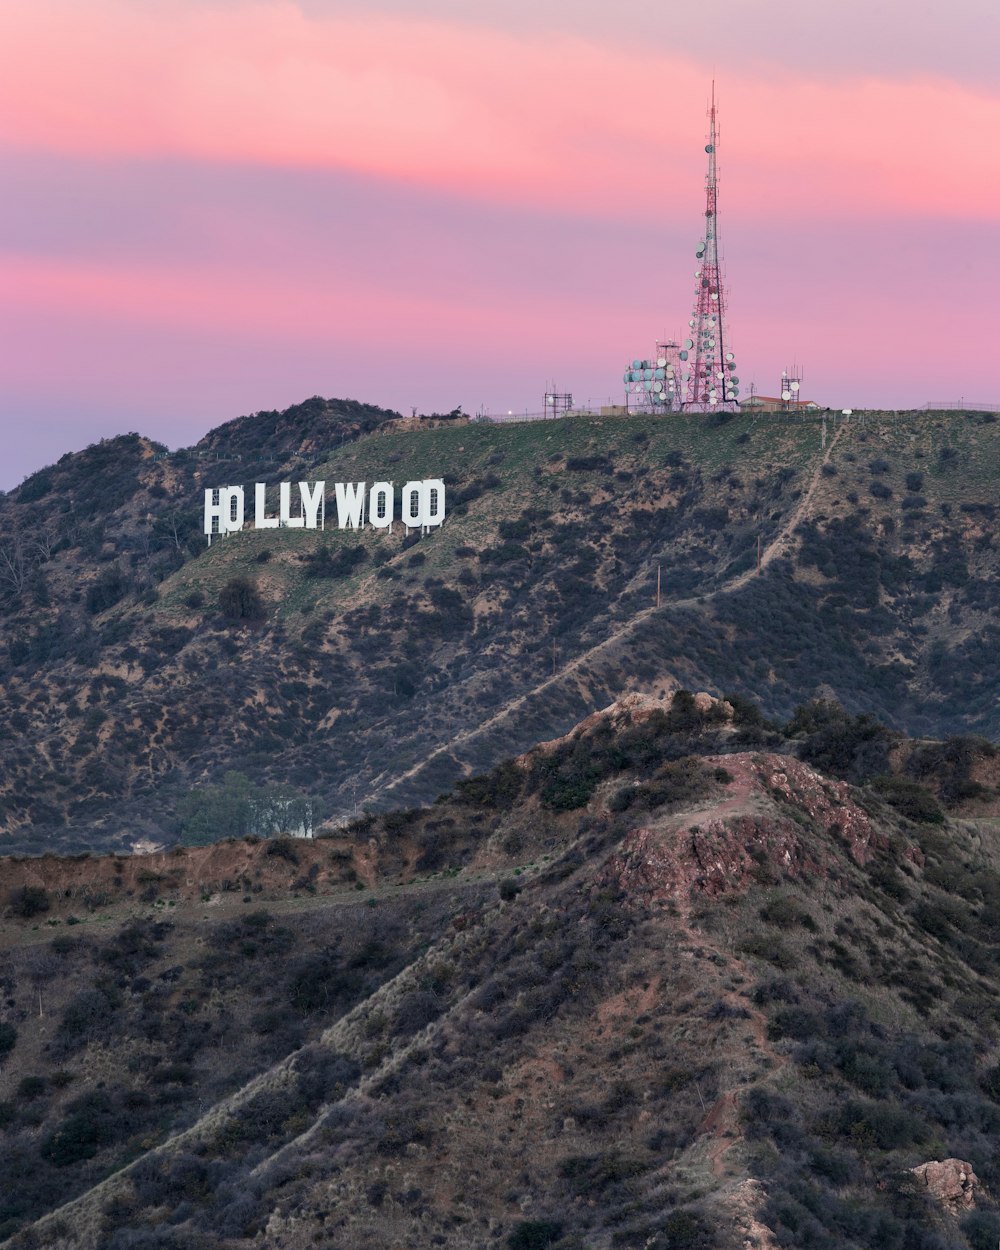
{"x":357,"y":504}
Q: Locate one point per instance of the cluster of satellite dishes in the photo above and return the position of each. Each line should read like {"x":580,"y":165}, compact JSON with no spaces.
{"x":656,"y":380}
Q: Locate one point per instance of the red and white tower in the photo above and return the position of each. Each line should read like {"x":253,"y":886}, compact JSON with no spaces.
{"x":708,"y":365}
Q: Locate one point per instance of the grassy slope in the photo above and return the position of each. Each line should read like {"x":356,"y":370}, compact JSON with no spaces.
{"x":462,"y":454}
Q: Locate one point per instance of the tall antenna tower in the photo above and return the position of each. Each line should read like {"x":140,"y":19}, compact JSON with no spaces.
{"x":710,"y":371}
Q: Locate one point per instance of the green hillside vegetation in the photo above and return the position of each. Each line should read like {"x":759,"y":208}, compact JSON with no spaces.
{"x":369,"y":670}
{"x":658,"y":980}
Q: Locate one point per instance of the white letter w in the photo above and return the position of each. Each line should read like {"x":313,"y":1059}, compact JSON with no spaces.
{"x":350,"y":504}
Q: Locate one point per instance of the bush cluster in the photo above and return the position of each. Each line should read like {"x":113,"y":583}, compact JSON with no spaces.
{"x":240,"y":600}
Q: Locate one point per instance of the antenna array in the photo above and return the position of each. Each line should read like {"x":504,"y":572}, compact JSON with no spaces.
{"x":708,"y":366}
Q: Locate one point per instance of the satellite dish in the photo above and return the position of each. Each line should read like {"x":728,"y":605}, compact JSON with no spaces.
{"x":684,"y":356}
{"x":715,"y":295}
{"x":786,"y":394}
{"x":647,"y":386}
{"x":733,"y":380}
{"x":793,"y":386}
{"x":730,"y":356}
{"x":689,"y":343}
{"x":660,"y":361}
{"x":660,"y":373}
{"x":709,"y":148}
{"x":848,"y":412}
{"x":657,"y":386}
{"x":627,"y":377}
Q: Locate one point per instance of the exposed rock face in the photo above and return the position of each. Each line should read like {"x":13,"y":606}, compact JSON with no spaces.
{"x":777,"y":810}
{"x":706,"y":703}
{"x":636,"y":707}
{"x":746,"y":1199}
{"x":828,"y":803}
{"x":713,"y":859}
{"x":951,"y":1182}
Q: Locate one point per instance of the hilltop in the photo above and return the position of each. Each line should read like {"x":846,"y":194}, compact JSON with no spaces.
{"x":372,"y":670}
{"x":666,"y":981}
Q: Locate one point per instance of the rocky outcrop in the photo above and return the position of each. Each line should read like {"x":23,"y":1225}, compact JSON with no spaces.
{"x":776,"y":811}
{"x":633,"y":709}
{"x":712,"y":858}
{"x":745,"y":1202}
{"x":950,"y":1182}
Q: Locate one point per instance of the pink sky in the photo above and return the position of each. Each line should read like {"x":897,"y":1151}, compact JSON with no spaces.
{"x":212,"y":208}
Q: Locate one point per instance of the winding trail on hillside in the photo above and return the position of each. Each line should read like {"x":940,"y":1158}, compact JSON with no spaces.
{"x":775,"y":548}
{"x":783,"y":536}
{"x":192,"y":911}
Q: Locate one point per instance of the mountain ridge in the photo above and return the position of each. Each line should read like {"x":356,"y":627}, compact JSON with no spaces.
{"x":667,"y":996}
{"x":122,"y":667}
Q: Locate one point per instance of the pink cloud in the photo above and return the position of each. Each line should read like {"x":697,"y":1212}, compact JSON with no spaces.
{"x":263,"y":304}
{"x":594,"y":127}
